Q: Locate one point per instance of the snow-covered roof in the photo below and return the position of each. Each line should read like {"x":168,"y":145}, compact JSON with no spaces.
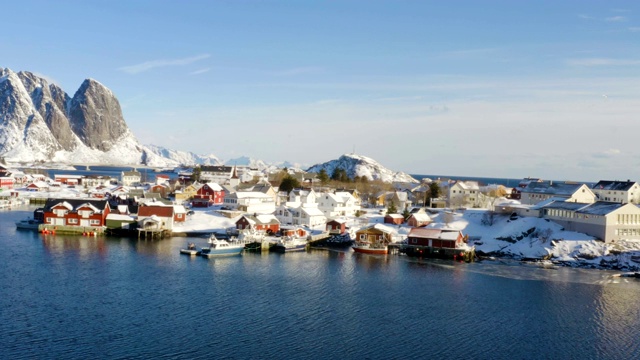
{"x":601,"y":208}
{"x":433,"y":233}
{"x":312,"y":211}
{"x":214,"y":186}
{"x":552,"y":188}
{"x":250,"y":194}
{"x":395,"y":216}
{"x":614,"y":185}
{"x":119,"y":217}
{"x":383,"y":228}
{"x":597,"y":208}
{"x":421,"y":217}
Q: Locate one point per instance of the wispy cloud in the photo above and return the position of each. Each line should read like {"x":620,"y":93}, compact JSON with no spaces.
{"x":299,"y":71}
{"x":634,"y":28}
{"x":586,"y":17}
{"x":148,"y":65}
{"x":602,"y":62}
{"x":201,"y":71}
{"x":615,"y":19}
{"x":608,"y":153}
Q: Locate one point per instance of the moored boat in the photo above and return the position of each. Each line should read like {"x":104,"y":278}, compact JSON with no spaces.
{"x":28,"y":224}
{"x":289,"y":245}
{"x":367,"y":248}
{"x":219,"y":247}
{"x":190,"y":250}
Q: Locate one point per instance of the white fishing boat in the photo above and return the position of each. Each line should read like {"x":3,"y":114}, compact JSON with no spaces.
{"x":219,"y":247}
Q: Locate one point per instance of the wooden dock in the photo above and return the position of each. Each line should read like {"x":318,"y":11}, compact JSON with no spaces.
{"x":153,"y":233}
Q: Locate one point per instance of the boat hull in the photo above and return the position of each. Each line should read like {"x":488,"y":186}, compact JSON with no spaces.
{"x":190,"y":252}
{"x":206,"y":253}
{"x":368,"y":250}
{"x":285,"y":249}
{"x":27,"y":225}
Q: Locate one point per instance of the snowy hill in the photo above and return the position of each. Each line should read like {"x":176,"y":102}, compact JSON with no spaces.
{"x":157,"y":155}
{"x":536,"y":238}
{"x":358,"y":165}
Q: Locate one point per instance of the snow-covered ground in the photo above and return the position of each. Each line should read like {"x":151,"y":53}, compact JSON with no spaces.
{"x":530,"y":238}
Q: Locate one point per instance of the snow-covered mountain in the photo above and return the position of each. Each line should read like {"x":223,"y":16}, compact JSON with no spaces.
{"x":176,"y":157}
{"x":358,"y":165}
{"x":40,"y":122}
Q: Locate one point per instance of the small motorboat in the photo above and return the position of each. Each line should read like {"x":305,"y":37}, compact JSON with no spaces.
{"x":190,"y":250}
{"x":28,"y":224}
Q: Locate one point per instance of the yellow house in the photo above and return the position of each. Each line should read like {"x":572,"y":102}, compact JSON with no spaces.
{"x":187,"y":193}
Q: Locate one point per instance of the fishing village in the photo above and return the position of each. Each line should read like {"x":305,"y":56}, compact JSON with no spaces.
{"x":225,"y":210}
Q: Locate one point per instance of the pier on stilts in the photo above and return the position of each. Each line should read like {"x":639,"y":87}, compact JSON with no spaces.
{"x":153,"y":233}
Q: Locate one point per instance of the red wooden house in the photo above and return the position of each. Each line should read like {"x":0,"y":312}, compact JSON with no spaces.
{"x":268,"y":223}
{"x":395,"y":219}
{"x":165,"y":214}
{"x":76,"y":212}
{"x":6,"y":182}
{"x":336,"y":226}
{"x":38,"y":186}
{"x":207,"y":195}
{"x":418,"y":220}
{"x":161,"y":189}
{"x":435,"y":238}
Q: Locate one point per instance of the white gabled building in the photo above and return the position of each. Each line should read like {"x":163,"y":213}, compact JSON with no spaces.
{"x":617,"y":191}
{"x":464,"y":194}
{"x":252,"y":202}
{"x":607,"y":221}
{"x":130,"y":178}
{"x":536,"y":192}
{"x":310,"y":216}
{"x":337,"y":204}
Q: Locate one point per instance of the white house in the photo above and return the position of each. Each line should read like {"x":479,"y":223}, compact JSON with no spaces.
{"x":340,"y":203}
{"x":250,"y":202}
{"x":536,"y":192}
{"x":464,"y":194}
{"x":130,"y":178}
{"x":607,"y":221}
{"x":310,"y":216}
{"x":617,"y":191}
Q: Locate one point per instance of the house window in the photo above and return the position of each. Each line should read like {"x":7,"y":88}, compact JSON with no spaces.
{"x":72,"y":221}
{"x":94,"y":222}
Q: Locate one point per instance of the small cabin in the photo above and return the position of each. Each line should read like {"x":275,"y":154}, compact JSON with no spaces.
{"x":336,"y":226}
{"x":395,"y":219}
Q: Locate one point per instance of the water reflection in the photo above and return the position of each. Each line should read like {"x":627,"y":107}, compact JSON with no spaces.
{"x":81,"y":245}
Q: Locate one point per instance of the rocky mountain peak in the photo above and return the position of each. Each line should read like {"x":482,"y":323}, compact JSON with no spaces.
{"x":96,"y":117}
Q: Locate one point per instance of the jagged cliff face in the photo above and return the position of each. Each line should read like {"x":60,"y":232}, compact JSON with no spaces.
{"x":40,"y":122}
{"x":96,"y":117}
{"x":22,"y":127}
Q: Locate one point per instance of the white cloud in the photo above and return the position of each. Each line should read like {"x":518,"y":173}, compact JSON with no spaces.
{"x":634,"y":28}
{"x":585,"y":17}
{"x":148,"y":65}
{"x":201,"y":71}
{"x":616,"y":19}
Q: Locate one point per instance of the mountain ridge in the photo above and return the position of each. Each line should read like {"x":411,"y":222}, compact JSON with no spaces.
{"x":40,"y":122}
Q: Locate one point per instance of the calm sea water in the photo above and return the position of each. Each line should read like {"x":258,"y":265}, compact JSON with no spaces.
{"x":69,"y":297}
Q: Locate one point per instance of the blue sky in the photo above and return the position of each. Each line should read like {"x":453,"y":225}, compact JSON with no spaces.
{"x":470,"y":88}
